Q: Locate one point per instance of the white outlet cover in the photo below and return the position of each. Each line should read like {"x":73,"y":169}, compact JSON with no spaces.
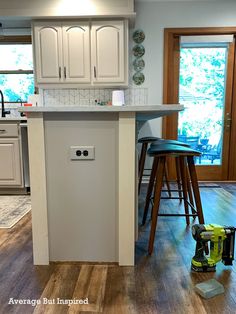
{"x":74,"y":152}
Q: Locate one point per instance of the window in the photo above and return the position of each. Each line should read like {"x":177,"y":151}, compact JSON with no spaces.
{"x":16,"y":68}
{"x":203,"y":74}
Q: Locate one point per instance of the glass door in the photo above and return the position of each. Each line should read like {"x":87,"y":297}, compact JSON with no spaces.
{"x":205,"y":83}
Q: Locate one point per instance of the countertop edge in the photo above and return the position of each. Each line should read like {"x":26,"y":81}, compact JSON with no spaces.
{"x":145,"y":108}
{"x":14,"y":119}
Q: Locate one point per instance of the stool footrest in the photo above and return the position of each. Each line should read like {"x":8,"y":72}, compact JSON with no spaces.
{"x":176,"y":198}
{"x":182,"y":215}
{"x":171,"y":198}
{"x":172,"y":190}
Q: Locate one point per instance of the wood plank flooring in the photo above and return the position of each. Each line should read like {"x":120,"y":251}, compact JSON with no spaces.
{"x":161,"y":283}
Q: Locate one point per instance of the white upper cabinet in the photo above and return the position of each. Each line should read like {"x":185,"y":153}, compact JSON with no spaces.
{"x":48,"y":52}
{"x":62,"y":52}
{"x":76,"y":48}
{"x":73,"y":53}
{"x":108,"y":52}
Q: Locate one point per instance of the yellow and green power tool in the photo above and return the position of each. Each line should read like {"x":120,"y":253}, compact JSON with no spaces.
{"x":222,"y":241}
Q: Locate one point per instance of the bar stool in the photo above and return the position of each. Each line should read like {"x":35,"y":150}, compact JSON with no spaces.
{"x":177,"y":168}
{"x":186,"y":159}
{"x":168,"y":141}
{"x":145,"y":141}
{"x":152,"y":140}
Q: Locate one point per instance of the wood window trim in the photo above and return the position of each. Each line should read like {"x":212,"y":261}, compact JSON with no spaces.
{"x":171,"y":84}
{"x":11,"y":40}
{"x":16,"y":40}
{"x":232,"y":155}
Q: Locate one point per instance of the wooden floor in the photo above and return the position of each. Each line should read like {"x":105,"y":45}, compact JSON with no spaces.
{"x":162,"y":283}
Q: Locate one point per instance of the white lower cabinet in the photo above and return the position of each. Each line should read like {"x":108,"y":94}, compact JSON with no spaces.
{"x":10,"y":160}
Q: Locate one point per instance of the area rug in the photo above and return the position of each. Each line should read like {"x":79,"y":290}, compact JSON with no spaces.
{"x":13,"y":208}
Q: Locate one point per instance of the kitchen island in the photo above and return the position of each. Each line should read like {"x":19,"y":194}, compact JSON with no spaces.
{"x":83,"y":181}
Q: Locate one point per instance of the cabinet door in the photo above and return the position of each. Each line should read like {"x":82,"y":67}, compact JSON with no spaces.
{"x":108,"y":52}
{"x":48,"y":52}
{"x":10,"y":162}
{"x":76,"y":50}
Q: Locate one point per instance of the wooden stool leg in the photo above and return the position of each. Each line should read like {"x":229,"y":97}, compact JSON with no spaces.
{"x":159,"y":182}
{"x":177,"y":166}
{"x":184,"y":186}
{"x":196,"y":193}
{"x":150,"y":189}
{"x":141,"y":164}
{"x":167,"y":180}
{"x":190,"y":194}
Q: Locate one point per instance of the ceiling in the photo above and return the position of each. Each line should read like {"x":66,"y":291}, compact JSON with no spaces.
{"x":26,"y":22}
{"x":180,"y":1}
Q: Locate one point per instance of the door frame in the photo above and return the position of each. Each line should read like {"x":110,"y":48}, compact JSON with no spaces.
{"x":171,"y":92}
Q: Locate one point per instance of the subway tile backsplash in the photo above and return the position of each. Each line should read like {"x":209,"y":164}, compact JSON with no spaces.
{"x":86,"y":97}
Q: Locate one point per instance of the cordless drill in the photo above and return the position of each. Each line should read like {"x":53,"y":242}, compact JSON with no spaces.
{"x":222,"y":241}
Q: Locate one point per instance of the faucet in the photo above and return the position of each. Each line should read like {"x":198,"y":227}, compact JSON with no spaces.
{"x":4,"y":112}
{"x":19,"y":100}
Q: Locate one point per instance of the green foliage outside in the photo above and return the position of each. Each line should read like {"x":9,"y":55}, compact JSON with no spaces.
{"x":16,"y":87}
{"x":202,"y":82}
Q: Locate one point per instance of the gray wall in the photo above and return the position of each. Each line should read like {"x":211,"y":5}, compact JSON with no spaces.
{"x":153,"y":17}
{"x":82,"y":194}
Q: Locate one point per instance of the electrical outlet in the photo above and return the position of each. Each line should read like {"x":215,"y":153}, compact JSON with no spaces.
{"x":82,"y":152}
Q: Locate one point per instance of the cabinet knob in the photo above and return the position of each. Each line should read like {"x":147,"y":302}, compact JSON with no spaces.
{"x":94,"y":71}
{"x":65,"y":72}
{"x":59,"y":72}
{"x":2,"y":131}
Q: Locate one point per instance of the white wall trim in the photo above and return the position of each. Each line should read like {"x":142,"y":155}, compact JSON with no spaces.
{"x":127,"y":188}
{"x":38,"y":188}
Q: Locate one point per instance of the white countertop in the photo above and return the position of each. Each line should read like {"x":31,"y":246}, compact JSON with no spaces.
{"x":143,"y":113}
{"x":145,"y":108}
{"x":15,"y":119}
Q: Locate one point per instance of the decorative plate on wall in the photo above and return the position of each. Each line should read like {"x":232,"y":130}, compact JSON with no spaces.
{"x":138,"y":50}
{"x":138,"y":78}
{"x":138,"y":36}
{"x":139,"y":64}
